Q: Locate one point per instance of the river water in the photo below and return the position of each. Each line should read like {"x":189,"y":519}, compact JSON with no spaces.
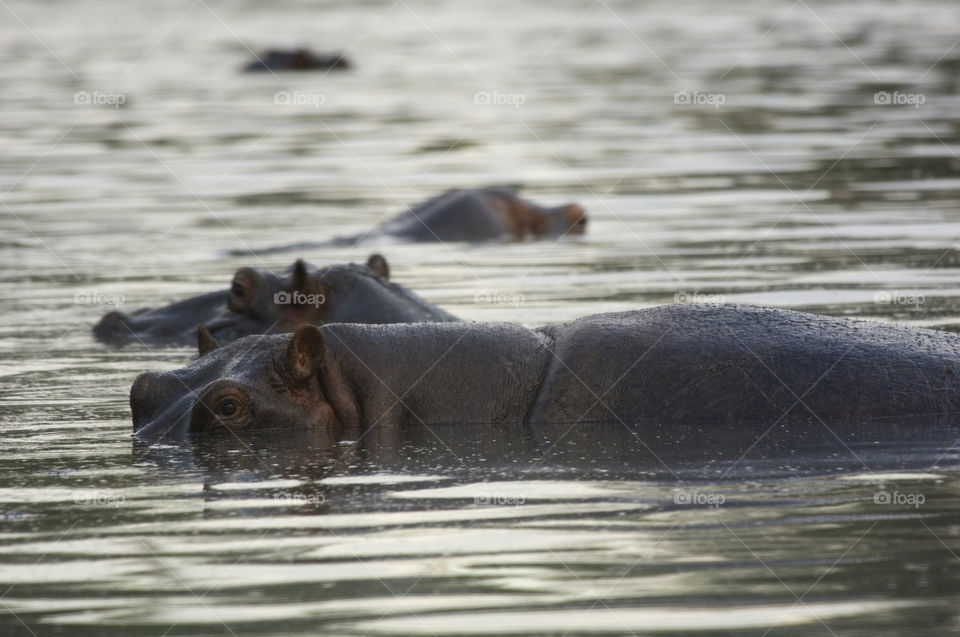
{"x":799,"y":155}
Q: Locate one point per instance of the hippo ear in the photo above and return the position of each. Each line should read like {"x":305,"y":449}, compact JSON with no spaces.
{"x":301,"y":281}
{"x":300,"y":277}
{"x":205,"y":340}
{"x":305,"y":351}
{"x":378,"y":264}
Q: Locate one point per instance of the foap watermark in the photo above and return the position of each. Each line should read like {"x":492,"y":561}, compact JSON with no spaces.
{"x":498,"y":499}
{"x":99,"y":98}
{"x":698,"y":298}
{"x":90,"y":297}
{"x":497,"y":98}
{"x":899,"y":298}
{"x":99,"y":498}
{"x":697,"y":498}
{"x":499,"y":298}
{"x":299,"y":98}
{"x":885,"y":98}
{"x":900,"y":499}
{"x":300,"y":499}
{"x":696,"y":98}
{"x":299,"y":298}
{"x":12,"y":516}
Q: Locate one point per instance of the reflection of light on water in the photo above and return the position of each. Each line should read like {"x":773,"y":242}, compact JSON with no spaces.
{"x":618,"y":620}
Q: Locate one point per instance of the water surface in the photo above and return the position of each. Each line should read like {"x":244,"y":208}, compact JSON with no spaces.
{"x":770,"y":153}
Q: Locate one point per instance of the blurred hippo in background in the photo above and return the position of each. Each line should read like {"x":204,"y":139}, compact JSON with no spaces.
{"x":299,"y":59}
{"x":482,"y":214}
{"x":727,"y":369}
{"x":261,"y":302}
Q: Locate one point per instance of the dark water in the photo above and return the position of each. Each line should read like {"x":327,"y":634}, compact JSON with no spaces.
{"x":799,"y":154}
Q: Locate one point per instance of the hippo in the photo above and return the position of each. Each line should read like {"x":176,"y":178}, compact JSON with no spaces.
{"x":299,"y":59}
{"x":260,"y":302}
{"x":474,"y":215}
{"x":718,"y":367}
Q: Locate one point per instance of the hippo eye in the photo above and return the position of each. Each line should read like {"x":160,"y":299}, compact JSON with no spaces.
{"x":241,"y":293}
{"x":228,"y":406}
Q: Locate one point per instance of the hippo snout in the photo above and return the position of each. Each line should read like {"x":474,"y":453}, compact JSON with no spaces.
{"x":114,"y":327}
{"x":153,"y":399}
{"x":576,"y":218}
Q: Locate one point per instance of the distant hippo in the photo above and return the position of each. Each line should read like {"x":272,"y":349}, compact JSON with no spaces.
{"x":484,"y":214}
{"x":296,"y":60}
{"x":719,"y":366}
{"x":260,"y":302}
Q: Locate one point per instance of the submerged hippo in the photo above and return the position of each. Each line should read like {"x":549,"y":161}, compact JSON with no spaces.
{"x":484,"y":214}
{"x":300,"y":59}
{"x":260,"y":302}
{"x":712,"y":365}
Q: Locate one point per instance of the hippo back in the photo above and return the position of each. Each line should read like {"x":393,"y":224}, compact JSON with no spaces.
{"x":724,"y":364}
{"x":456,"y":215}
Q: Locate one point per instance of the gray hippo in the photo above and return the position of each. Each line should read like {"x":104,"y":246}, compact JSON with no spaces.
{"x":300,"y":59}
{"x":482,"y":214}
{"x":260,"y":302}
{"x":717,"y":366}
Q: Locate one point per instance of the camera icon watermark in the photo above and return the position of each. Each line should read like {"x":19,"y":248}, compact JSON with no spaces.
{"x":90,"y":297}
{"x":495,"y":499}
{"x":497,"y":98}
{"x":915,"y":500}
{"x":899,"y":298}
{"x":499,"y":298}
{"x":885,"y":98}
{"x":300,"y":499}
{"x":99,"y":498}
{"x":696,"y":98}
{"x":98,"y":98}
{"x":298,"y":298}
{"x":299,"y":98}
{"x":697,"y":498}
{"x":697,"y":298}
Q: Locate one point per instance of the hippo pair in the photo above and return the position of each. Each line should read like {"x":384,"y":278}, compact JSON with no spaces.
{"x":478,"y":214}
{"x":717,"y":366}
{"x":349,"y":293}
{"x":260,"y":302}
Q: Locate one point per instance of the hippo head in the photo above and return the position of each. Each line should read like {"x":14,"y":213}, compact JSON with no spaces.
{"x":526,"y":218}
{"x":257,"y":302}
{"x":256,"y":382}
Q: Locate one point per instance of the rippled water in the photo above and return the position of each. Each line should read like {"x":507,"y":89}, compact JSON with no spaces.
{"x":803,"y":172}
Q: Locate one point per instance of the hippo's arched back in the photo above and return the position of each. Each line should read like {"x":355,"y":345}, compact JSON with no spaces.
{"x":714,"y":364}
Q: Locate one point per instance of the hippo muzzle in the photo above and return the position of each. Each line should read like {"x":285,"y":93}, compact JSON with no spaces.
{"x":160,"y":407}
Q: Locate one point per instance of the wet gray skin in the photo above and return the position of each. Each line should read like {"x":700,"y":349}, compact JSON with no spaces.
{"x":260,"y":302}
{"x":677,"y":364}
{"x":483,"y":214}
